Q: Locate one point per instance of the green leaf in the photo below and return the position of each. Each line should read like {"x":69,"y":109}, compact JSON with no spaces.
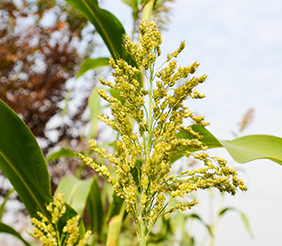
{"x":253,"y":147}
{"x":90,"y":64}
{"x":6,"y":198}
{"x":95,"y":208}
{"x":76,"y":192}
{"x":246,"y":223}
{"x":108,"y":26}
{"x":7,"y":229}
{"x":243,"y":149}
{"x":196,"y":216}
{"x":22,"y":162}
{"x":95,"y":108}
{"x":63,"y":152}
{"x":243,"y":217}
{"x":132,"y":3}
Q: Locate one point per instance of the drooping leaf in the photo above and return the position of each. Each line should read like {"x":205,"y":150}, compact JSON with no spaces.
{"x":9,"y":230}
{"x":22,"y":161}
{"x":243,"y":217}
{"x":242,"y":149}
{"x":63,"y":152}
{"x":95,"y":108}
{"x":76,"y":192}
{"x":197,"y":217}
{"x":254,"y":147}
{"x":90,"y":64}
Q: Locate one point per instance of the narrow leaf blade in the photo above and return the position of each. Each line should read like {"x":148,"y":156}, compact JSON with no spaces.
{"x":63,"y":152}
{"x":6,"y":198}
{"x":90,"y":64}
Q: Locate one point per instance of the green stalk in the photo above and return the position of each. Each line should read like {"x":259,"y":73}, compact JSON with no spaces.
{"x":142,"y":234}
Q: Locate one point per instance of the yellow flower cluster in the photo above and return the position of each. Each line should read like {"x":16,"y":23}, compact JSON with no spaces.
{"x":143,"y":160}
{"x":46,"y":230}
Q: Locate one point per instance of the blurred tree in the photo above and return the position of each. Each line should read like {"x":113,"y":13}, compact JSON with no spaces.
{"x":38,"y":55}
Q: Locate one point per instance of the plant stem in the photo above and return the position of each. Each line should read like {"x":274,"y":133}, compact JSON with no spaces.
{"x":142,"y":234}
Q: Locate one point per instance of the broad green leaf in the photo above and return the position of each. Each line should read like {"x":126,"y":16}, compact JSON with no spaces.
{"x":22,"y":162}
{"x":7,"y":229}
{"x":95,"y":208}
{"x":253,"y":147}
{"x":108,"y":26}
{"x":76,"y":192}
{"x":6,"y":198}
{"x":90,"y":64}
{"x":95,"y":108}
{"x":63,"y":152}
{"x":242,"y":149}
{"x":243,"y":217}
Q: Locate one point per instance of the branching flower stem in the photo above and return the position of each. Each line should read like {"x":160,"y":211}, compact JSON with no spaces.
{"x":142,"y":160}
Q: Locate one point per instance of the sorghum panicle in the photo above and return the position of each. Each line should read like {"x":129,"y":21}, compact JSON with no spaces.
{"x":142,"y":160}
